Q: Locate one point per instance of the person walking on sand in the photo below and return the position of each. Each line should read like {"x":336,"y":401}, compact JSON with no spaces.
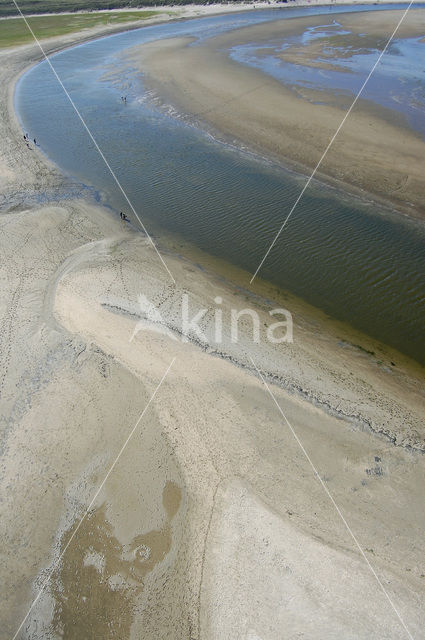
{"x":35,"y":142}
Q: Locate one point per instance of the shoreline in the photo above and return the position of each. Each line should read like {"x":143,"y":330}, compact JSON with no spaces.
{"x":389,"y":213}
{"x":73,"y":386}
{"x":386,"y":206}
{"x":217,"y":81}
{"x":214,"y":7}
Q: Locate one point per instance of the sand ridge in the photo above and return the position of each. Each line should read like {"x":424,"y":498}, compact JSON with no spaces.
{"x":375,"y":150}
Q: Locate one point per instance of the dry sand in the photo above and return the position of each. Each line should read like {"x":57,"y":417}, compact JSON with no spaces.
{"x":375,"y":151}
{"x":212,"y":524}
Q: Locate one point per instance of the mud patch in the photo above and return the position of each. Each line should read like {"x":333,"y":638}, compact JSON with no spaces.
{"x":99,"y":578}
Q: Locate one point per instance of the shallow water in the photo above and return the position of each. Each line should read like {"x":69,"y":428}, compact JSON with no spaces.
{"x":353,"y":259}
{"x":398,"y":81}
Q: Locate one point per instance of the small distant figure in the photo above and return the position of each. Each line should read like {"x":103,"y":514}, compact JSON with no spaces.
{"x":25,"y":136}
{"x":121,"y":215}
{"x":35,"y":142}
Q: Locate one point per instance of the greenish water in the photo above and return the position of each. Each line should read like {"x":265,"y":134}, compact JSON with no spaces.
{"x":358,"y":262}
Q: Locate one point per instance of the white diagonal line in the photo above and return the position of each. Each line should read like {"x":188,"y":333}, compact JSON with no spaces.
{"x":331,"y":142}
{"x":325,"y":488}
{"x":57,"y":561}
{"x":99,"y":150}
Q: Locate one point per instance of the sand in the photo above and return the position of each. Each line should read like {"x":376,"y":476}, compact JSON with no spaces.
{"x":375,"y":152}
{"x":212,"y":523}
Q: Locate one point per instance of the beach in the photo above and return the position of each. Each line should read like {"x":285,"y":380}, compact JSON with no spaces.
{"x":375,"y":152}
{"x":211,"y":522}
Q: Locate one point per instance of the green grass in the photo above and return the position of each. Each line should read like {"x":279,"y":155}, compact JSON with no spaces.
{"x":7,"y":8}
{"x":14,"y":31}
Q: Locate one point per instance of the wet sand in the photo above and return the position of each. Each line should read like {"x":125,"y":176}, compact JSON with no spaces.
{"x":375,"y":152}
{"x":212,"y":524}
